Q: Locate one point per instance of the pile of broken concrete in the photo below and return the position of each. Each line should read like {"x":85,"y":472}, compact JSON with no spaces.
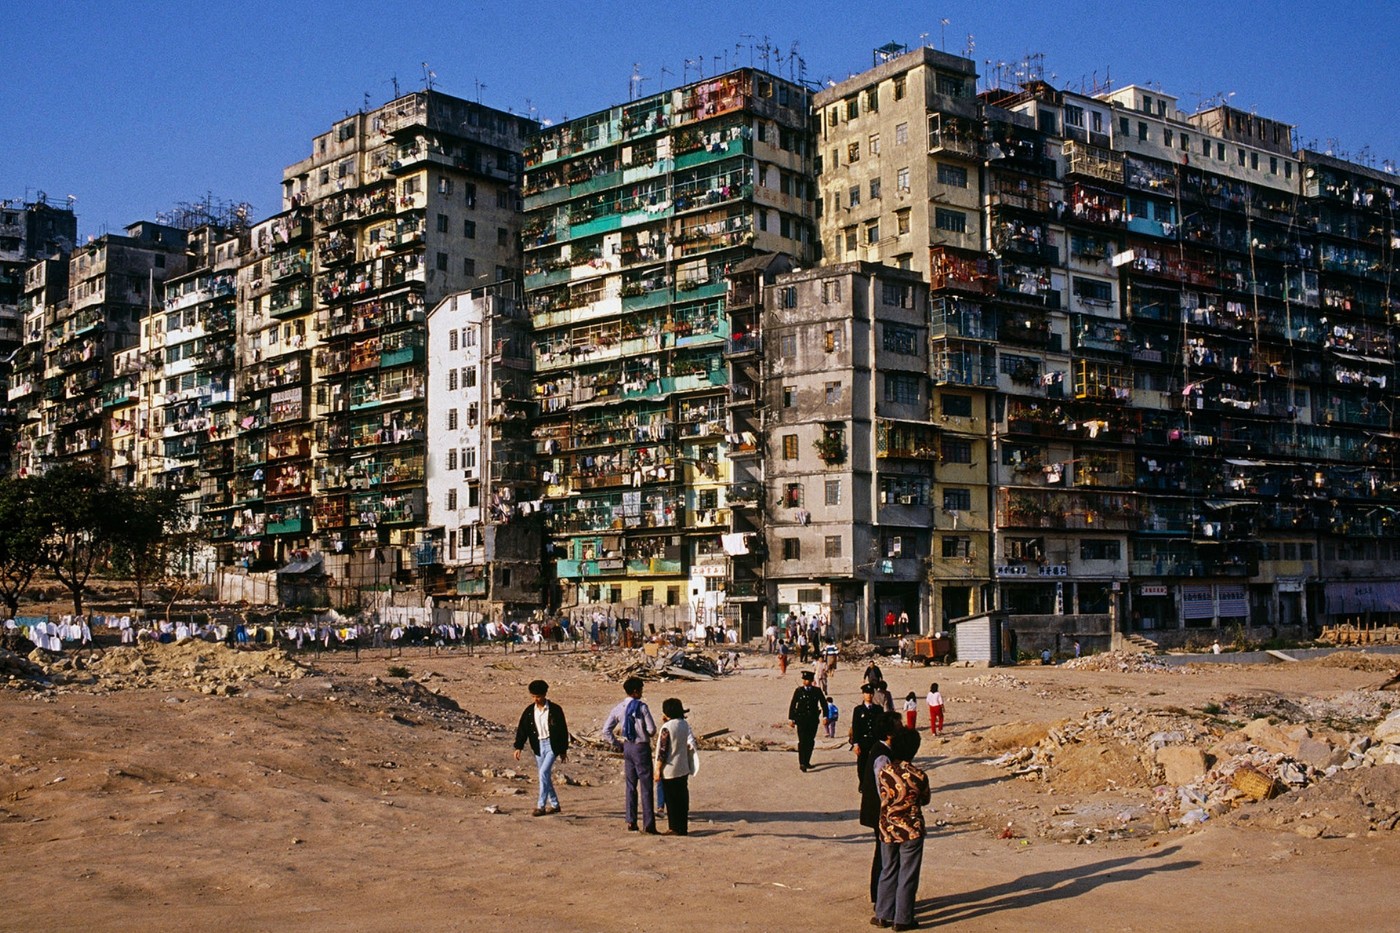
{"x":1123,"y":661}
{"x":1195,"y":770}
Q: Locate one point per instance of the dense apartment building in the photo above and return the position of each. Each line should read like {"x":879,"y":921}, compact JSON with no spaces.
{"x":484,"y":546}
{"x":74,"y":343}
{"x":635,"y":217}
{"x":45,"y":296}
{"x":29,"y":230}
{"x":325,"y":449}
{"x":1084,"y":359}
{"x":848,"y":444}
{"x":1160,"y":345}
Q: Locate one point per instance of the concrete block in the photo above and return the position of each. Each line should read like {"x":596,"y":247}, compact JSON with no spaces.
{"x":1182,"y":764}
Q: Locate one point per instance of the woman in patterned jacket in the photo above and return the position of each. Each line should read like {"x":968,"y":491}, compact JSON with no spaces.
{"x":903,"y":793}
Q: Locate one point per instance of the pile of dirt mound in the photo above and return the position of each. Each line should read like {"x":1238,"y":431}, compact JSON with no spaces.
{"x":1106,"y":749}
{"x":1352,"y":803}
{"x":1195,"y":770}
{"x":1351,"y":709}
{"x":205,"y":667}
{"x":1358,"y":661}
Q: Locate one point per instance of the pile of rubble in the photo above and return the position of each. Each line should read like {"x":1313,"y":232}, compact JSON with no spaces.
{"x":995,"y":679}
{"x":854,"y":650}
{"x":1128,"y":662}
{"x":655,"y":662}
{"x":18,"y":671}
{"x":1350,"y":708}
{"x":209,"y":668}
{"x":1195,"y":771}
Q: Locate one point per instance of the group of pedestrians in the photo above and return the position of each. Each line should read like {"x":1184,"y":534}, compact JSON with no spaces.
{"x":657,"y":761}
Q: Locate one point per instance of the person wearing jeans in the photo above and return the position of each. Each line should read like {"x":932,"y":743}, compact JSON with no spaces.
{"x":542,"y":725}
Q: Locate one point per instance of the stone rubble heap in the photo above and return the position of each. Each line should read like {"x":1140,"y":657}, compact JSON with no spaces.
{"x":18,"y":671}
{"x":656,"y":663}
{"x":995,"y":679}
{"x":203,"y":667}
{"x":1196,"y":772}
{"x":1128,"y":662}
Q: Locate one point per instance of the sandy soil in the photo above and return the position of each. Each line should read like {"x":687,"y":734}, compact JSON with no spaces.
{"x":344,"y":798}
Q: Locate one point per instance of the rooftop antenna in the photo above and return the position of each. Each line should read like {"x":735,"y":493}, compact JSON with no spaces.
{"x":634,"y":83}
{"x":479,"y":86}
{"x":767,"y":49}
{"x":428,"y":77}
{"x":394,"y":80}
{"x":746,"y":35}
{"x":970,"y":47}
{"x":943,"y":25}
{"x":664,"y":72}
{"x":366,"y":104}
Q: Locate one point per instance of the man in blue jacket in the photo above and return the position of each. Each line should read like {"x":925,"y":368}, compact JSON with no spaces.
{"x":542,"y":725}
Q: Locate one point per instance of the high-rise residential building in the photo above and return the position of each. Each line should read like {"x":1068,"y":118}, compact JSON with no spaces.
{"x":635,"y":216}
{"x":484,"y":548}
{"x":114,"y":287}
{"x":45,"y":297}
{"x":188,"y":360}
{"x":848,"y":445}
{"x":29,"y":230}
{"x":394,"y":209}
{"x":1160,"y":345}
{"x":903,"y":181}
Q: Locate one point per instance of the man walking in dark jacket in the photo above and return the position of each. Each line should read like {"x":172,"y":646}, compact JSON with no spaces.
{"x":805,"y":712}
{"x":542,"y":725}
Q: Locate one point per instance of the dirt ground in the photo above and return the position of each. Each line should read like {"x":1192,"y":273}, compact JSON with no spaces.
{"x":194,"y":788}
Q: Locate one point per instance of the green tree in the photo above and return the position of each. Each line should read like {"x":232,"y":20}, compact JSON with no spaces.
{"x":21,"y":541}
{"x":149,"y":533}
{"x":78,"y":510}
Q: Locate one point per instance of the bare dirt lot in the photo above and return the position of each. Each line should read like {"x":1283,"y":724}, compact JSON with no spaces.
{"x":192,"y":787}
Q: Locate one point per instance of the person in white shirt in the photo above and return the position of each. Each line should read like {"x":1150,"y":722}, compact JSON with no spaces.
{"x":935,"y":710}
{"x":677,"y":758}
{"x":542,"y":725}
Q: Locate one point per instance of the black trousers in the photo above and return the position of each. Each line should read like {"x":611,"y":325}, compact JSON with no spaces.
{"x":677,"y":792}
{"x":806,"y":741}
{"x":876,"y":866}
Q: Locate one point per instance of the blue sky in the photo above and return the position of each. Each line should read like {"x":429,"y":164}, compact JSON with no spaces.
{"x":135,"y":106}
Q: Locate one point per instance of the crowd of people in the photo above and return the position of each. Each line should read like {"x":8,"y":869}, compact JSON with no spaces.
{"x":659,"y":759}
{"x":330,"y":632}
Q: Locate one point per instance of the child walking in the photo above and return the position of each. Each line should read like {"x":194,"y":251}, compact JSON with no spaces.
{"x":935,"y":710}
{"x":832,"y":714}
{"x":911,"y":710}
